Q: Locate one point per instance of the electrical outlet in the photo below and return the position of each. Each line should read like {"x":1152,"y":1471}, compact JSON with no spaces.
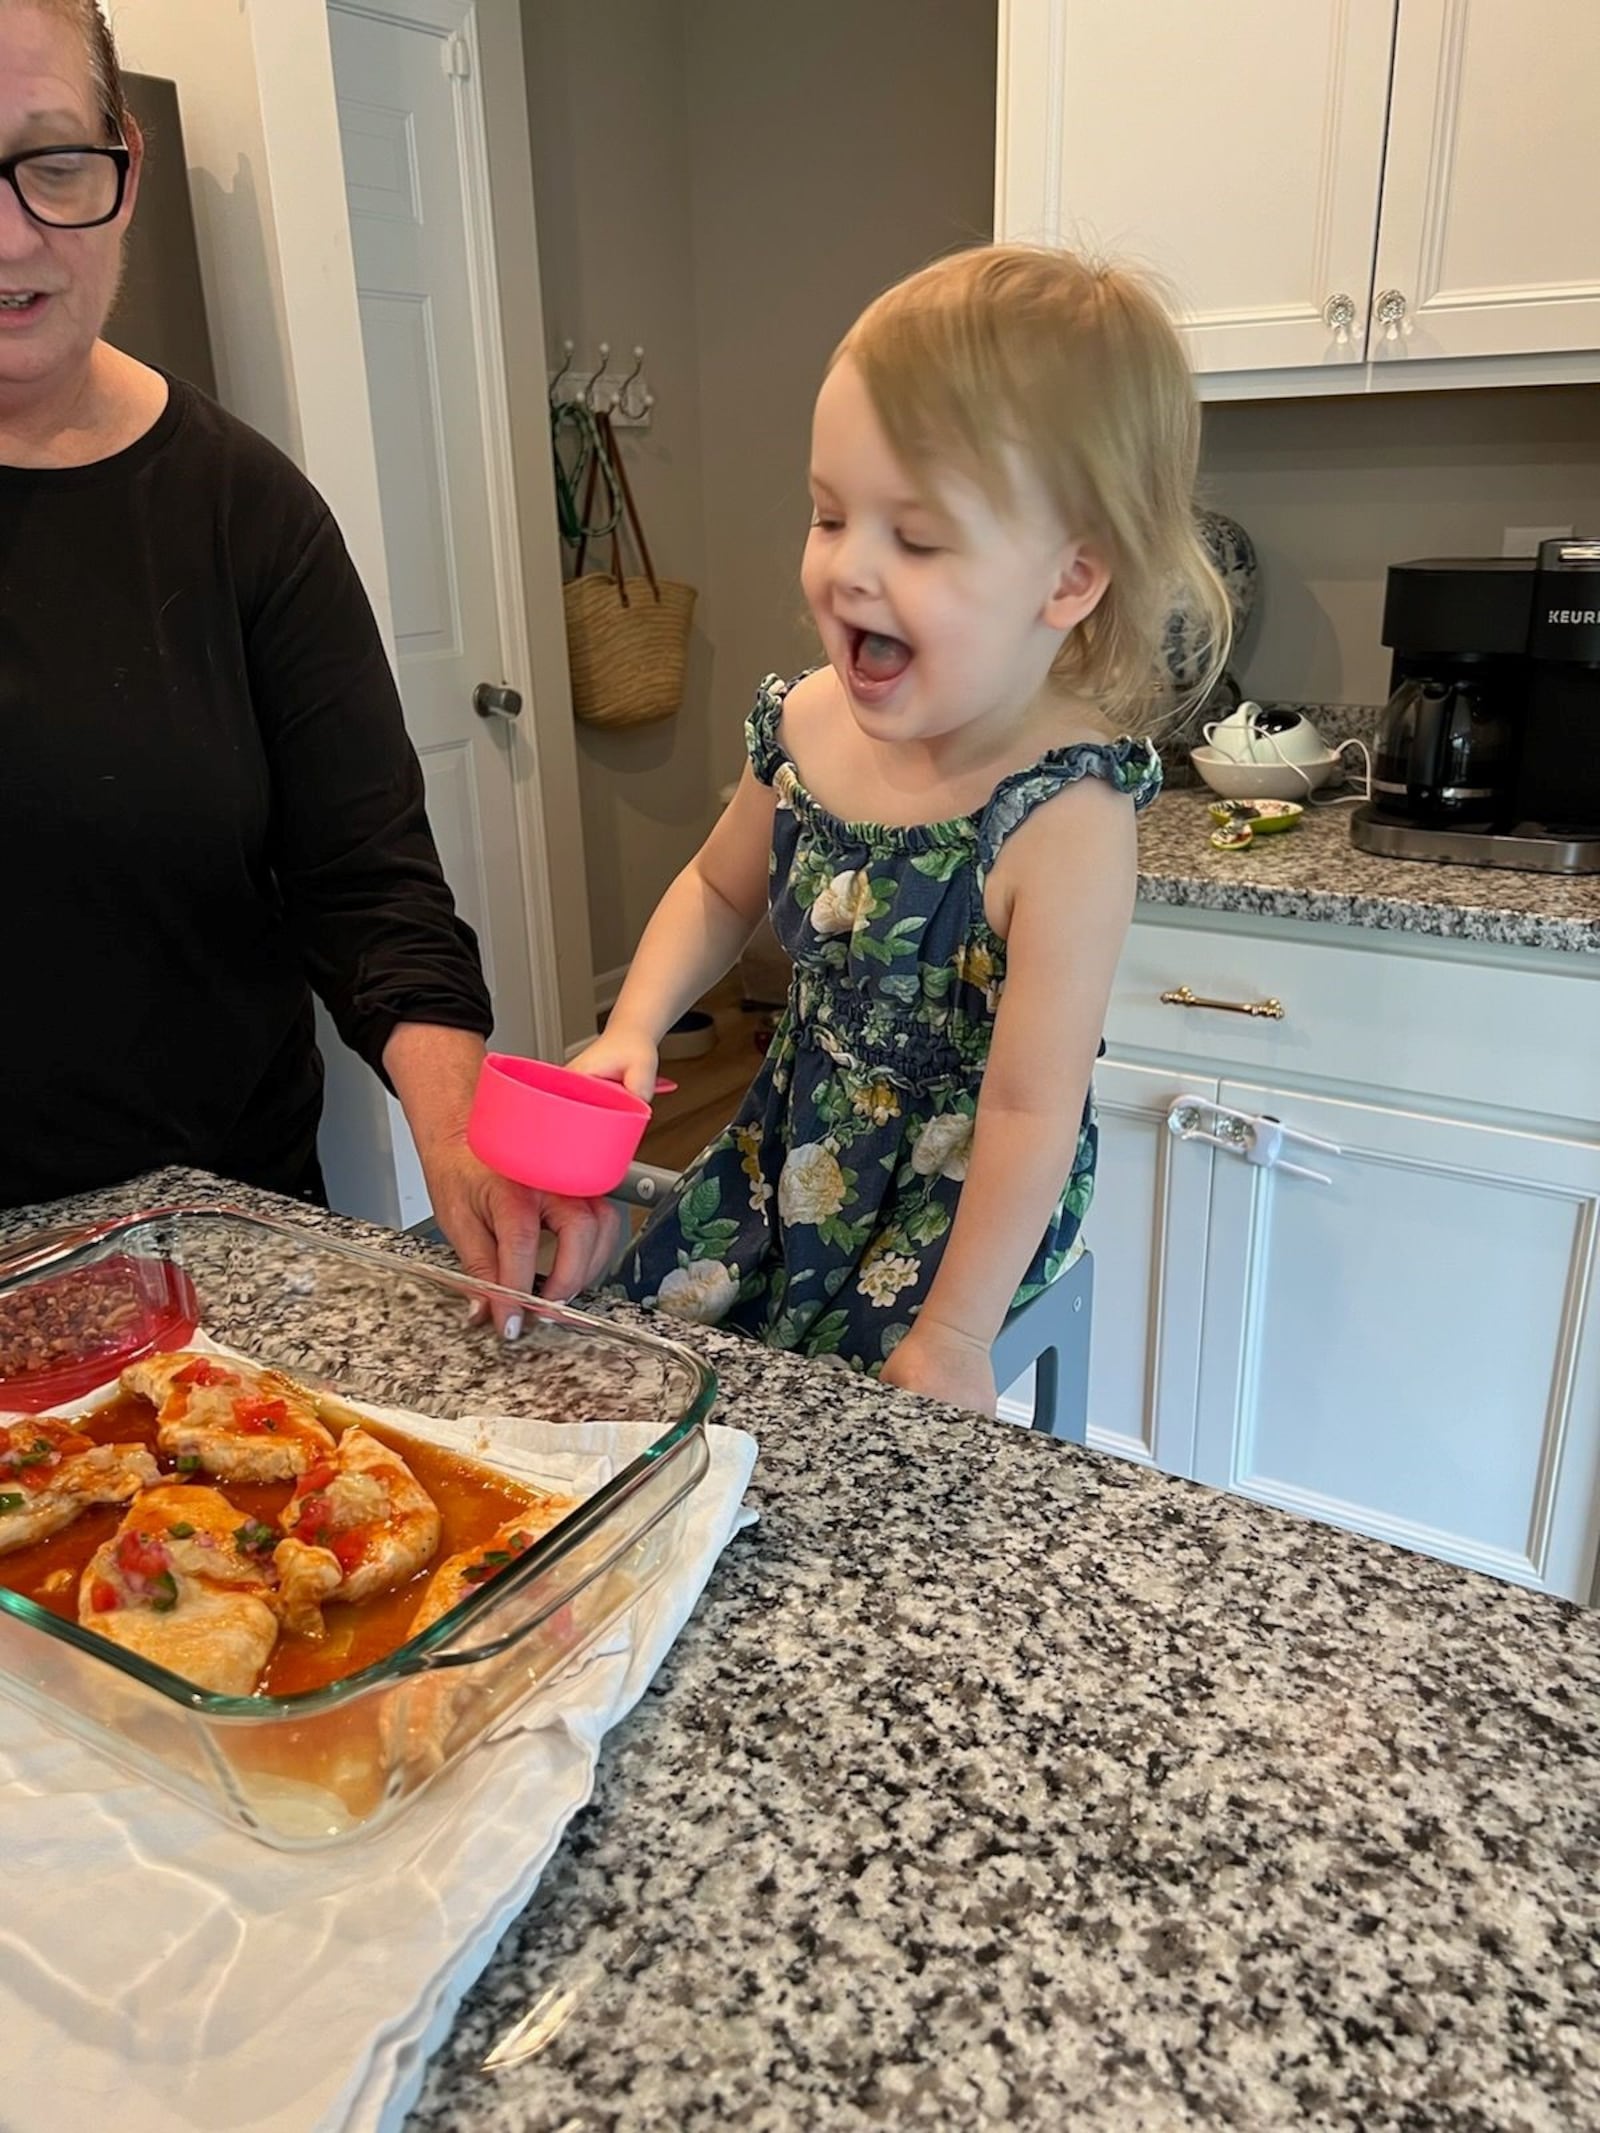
{"x":1524,"y":540}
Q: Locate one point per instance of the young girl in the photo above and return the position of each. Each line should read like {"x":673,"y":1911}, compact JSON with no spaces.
{"x":1002,"y":462}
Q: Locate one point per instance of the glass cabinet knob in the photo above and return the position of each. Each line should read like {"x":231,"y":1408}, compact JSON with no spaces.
{"x":1390,"y":312}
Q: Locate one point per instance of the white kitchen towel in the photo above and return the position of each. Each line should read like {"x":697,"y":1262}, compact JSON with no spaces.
{"x":160,"y":1972}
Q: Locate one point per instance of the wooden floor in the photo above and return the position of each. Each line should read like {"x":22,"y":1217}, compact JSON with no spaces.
{"x":709,"y":1088}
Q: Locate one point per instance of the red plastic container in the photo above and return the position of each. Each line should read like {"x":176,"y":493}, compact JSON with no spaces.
{"x":69,"y":1333}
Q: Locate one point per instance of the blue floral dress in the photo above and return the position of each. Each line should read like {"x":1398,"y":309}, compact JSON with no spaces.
{"x":817,"y":1221}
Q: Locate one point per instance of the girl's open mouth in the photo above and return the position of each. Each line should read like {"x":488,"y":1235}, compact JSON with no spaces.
{"x":877,"y":662}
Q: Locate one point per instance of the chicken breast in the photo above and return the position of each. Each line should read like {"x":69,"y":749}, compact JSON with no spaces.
{"x":420,"y":1725}
{"x":186,"y":1582}
{"x":460,"y":1574}
{"x":50,"y":1472}
{"x":357,"y":1524}
{"x":229,"y":1420}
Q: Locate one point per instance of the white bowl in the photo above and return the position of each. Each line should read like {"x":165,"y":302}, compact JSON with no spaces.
{"x":1263,"y":781}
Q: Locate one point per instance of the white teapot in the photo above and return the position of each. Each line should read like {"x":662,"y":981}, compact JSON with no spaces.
{"x":1251,"y":735}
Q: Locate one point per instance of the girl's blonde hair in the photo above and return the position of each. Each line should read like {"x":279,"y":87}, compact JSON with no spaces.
{"x":1074,"y":364}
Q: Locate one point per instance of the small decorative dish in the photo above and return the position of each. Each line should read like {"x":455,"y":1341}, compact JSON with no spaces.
{"x":1258,"y":816}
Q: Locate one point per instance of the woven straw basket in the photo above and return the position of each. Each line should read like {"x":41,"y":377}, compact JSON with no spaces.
{"x":627,"y":638}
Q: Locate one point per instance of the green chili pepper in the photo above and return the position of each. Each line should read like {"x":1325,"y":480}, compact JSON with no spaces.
{"x":179,"y":1533}
{"x":188,"y":1462}
{"x":13,"y":1500}
{"x":164,"y":1593}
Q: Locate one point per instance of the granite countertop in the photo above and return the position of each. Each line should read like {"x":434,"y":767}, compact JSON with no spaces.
{"x":999,"y":1784}
{"x":1314,"y":872}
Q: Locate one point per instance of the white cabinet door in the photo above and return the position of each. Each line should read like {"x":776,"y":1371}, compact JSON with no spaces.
{"x":1490,"y":232}
{"x":1236,"y":148}
{"x":1147,"y":1231}
{"x":1412,"y":1350}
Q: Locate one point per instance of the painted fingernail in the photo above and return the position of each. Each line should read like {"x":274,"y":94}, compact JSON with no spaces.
{"x":514,"y":1326}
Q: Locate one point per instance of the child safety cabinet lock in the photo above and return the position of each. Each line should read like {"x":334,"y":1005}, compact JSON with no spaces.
{"x":1261,"y":1141}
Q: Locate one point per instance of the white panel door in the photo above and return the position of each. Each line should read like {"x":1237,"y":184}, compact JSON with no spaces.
{"x":423,"y":317}
{"x":1490,"y":234}
{"x":1235,"y":147}
{"x":1412,"y":1350}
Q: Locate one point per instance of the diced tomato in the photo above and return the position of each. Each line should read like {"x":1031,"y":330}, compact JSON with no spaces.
{"x":30,"y":1458}
{"x":141,"y":1557}
{"x":103,"y":1597}
{"x":349,"y":1548}
{"x":34,"y":1444}
{"x":202,"y":1371}
{"x":318,"y":1478}
{"x":255,"y":1416}
{"x":313,"y":1517}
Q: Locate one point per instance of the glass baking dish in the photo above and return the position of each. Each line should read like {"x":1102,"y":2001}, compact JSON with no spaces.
{"x":322,"y":1767}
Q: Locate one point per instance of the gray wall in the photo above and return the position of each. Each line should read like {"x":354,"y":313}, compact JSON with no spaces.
{"x":838,"y":146}
{"x":728,"y":181}
{"x":1332,"y":491}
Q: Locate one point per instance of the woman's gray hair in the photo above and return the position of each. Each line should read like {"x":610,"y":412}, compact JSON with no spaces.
{"x":100,"y":48}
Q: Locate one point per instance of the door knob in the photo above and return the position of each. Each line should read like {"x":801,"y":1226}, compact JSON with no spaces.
{"x":495,"y":700}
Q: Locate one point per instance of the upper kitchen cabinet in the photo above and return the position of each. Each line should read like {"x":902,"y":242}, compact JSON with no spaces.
{"x":1349,"y":196}
{"x":1490,"y":231}
{"x":1235,"y":149}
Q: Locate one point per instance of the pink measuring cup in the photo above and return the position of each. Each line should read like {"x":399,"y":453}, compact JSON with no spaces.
{"x":554,"y":1129}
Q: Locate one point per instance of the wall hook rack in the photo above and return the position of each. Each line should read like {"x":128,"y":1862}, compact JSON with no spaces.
{"x":623,"y":394}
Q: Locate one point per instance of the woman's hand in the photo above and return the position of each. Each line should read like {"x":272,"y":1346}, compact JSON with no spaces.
{"x":495,"y":1227}
{"x":621,"y":1054}
{"x":942,"y":1364}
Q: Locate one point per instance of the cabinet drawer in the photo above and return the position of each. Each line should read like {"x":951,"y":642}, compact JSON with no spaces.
{"x":1390,"y":1016}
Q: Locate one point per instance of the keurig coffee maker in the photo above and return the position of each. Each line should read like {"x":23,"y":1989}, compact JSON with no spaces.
{"x":1558,"y":778}
{"x":1488,"y":752}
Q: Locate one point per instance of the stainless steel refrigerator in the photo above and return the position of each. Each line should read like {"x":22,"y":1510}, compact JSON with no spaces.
{"x":160,"y":312}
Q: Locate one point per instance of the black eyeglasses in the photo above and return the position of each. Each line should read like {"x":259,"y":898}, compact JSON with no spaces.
{"x":69,"y":188}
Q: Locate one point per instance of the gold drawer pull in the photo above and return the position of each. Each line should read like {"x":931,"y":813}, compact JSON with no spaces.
{"x":1266,"y":1010}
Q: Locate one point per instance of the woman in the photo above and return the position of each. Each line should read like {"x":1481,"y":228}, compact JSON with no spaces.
{"x":208,"y":805}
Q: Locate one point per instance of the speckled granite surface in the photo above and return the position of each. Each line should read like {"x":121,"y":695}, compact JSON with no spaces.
{"x":1313,"y":872}
{"x":996,"y":1784}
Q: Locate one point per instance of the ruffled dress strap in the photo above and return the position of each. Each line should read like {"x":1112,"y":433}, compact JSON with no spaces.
{"x":1132,"y":767}
{"x":766,"y":752}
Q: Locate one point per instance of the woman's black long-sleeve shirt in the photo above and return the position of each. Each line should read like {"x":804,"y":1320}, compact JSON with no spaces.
{"x":208,"y":807}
